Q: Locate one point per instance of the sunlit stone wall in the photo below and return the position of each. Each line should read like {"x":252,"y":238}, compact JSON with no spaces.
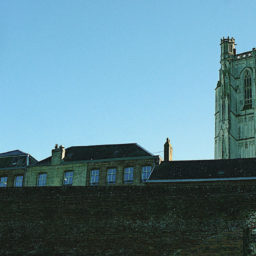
{"x":234,"y":120}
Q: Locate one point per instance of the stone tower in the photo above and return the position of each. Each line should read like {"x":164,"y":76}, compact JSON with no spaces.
{"x":235,"y":104}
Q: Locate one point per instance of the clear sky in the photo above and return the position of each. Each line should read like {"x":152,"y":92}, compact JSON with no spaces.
{"x":87,"y":72}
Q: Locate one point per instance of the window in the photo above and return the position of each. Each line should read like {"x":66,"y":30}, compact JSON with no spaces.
{"x":41,"y":181}
{"x":128,"y":175}
{"x":18,"y":181}
{"x":94,"y":177}
{"x":111,"y":176}
{"x":3,"y":181}
{"x":230,"y":47}
{"x":247,"y":90}
{"x":146,"y":170}
{"x":68,"y":178}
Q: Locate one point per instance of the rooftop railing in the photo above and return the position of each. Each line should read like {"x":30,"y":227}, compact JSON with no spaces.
{"x":243,"y":55}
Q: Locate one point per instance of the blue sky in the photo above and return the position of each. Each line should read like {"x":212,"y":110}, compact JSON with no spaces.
{"x":112,"y":71}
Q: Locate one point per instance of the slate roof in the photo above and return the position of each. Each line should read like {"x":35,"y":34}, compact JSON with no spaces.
{"x":101,"y":152}
{"x":15,"y":159}
{"x":12,"y":153}
{"x":204,"y":169}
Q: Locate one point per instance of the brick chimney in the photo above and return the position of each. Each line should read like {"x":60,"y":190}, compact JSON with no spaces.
{"x":58,"y":154}
{"x":167,"y":150}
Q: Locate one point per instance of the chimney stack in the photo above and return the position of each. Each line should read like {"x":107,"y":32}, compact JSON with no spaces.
{"x":58,"y":154}
{"x":167,"y":151}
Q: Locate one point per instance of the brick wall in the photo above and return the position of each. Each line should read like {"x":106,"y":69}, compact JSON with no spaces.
{"x":181,"y":219}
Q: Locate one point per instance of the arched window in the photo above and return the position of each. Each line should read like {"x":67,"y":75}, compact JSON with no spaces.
{"x":247,"y":90}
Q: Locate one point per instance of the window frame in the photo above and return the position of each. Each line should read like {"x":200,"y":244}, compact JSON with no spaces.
{"x":96,"y":181}
{"x":130,"y":172}
{"x":145,"y":173}
{"x":39,"y":174}
{"x":247,"y":84}
{"x":113,"y":174}
{"x":1,"y":182}
{"x":15,"y":180}
{"x":68,"y":184}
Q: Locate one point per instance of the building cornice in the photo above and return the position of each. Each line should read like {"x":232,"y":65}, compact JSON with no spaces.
{"x":97,"y":161}
{"x":200,"y":180}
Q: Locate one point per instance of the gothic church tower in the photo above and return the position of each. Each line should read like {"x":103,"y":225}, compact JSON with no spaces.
{"x":235,"y":104}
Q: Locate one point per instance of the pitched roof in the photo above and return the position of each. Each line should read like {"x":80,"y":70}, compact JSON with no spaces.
{"x":13,"y":162}
{"x":100,"y":152}
{"x":12,"y":153}
{"x":204,"y":169}
{"x":15,"y":159}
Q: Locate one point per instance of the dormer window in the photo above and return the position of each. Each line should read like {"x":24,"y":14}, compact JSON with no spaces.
{"x":247,"y":90}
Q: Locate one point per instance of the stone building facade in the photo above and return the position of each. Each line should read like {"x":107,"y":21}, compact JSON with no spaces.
{"x":13,"y":168}
{"x":116,"y":164}
{"x":235,"y":104}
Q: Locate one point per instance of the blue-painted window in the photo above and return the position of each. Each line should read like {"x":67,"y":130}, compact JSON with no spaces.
{"x":42,"y":179}
{"x":18,"y":181}
{"x":94,"y":179}
{"x":68,"y":178}
{"x":111,"y":176}
{"x":128,"y":175}
{"x":3,"y":181}
{"x":145,"y":173}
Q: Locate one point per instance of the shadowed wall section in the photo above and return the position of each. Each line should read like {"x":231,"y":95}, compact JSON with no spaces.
{"x":179,"y":219}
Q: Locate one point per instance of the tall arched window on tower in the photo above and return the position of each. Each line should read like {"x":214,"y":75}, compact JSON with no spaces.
{"x":247,"y":90}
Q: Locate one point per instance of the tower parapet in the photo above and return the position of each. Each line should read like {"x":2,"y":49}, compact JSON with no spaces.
{"x":227,"y":47}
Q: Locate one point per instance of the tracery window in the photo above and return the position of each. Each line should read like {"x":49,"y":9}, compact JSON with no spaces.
{"x":230,"y":48}
{"x":247,"y":90}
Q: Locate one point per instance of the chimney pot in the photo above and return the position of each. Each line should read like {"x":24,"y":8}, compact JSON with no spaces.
{"x":58,"y":154}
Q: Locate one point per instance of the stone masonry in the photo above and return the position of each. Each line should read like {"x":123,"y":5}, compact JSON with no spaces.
{"x":181,"y":219}
{"x":235,"y":104}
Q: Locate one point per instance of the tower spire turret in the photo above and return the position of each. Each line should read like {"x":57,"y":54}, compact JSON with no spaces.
{"x":227,"y":47}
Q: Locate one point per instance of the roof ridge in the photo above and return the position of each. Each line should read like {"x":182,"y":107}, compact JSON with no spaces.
{"x":133,"y":143}
{"x":13,"y":153}
{"x":197,"y":160}
{"x":106,"y":151}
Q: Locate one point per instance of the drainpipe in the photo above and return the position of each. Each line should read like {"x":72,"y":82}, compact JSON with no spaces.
{"x":25,"y":173}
